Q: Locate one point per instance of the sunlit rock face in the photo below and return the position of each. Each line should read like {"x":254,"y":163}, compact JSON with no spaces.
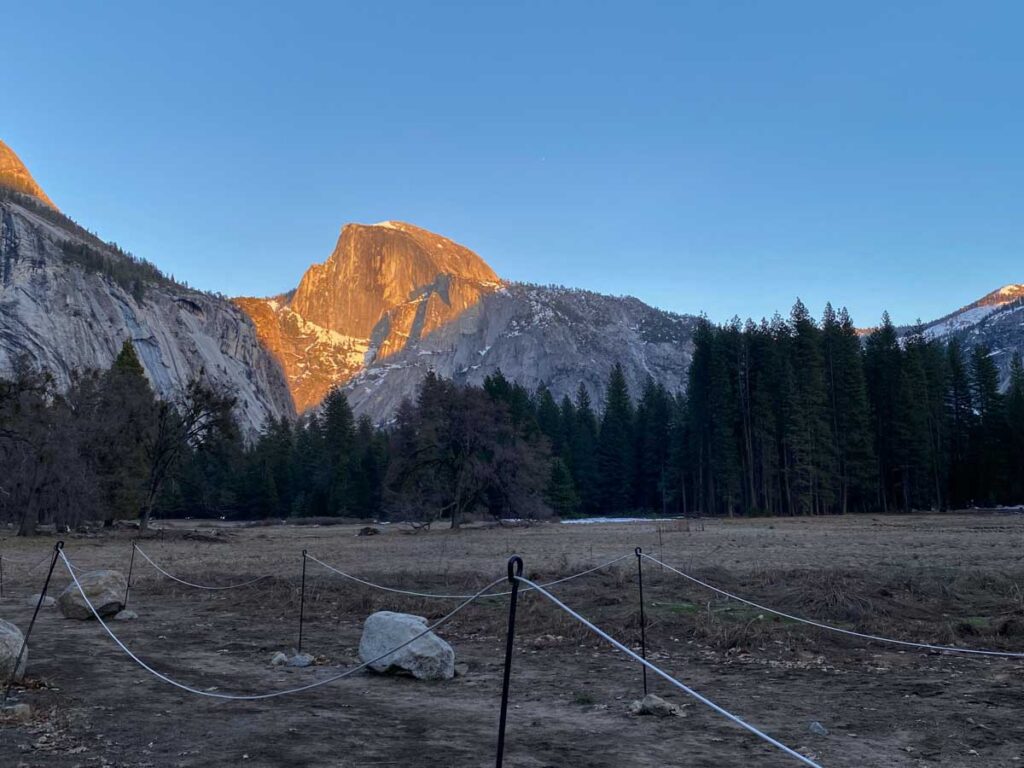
{"x":68,"y":301}
{"x":14,"y":175}
{"x":375,"y":269}
{"x":383,"y":288}
{"x":394,"y":301}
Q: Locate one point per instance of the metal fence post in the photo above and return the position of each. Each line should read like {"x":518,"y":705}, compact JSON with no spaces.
{"x":302,"y":600}
{"x":39,"y":604}
{"x":131,"y":567}
{"x":515,"y":570}
{"x":643,"y":620}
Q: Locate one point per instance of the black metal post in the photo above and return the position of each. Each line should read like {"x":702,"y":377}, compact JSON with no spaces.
{"x":302,"y":600}
{"x":643,"y":620}
{"x":515,"y":570}
{"x":39,"y":604}
{"x":131,"y":567}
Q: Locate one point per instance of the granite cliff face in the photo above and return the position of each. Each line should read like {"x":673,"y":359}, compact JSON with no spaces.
{"x":394,"y":301}
{"x":68,"y":301}
{"x":558,"y":337}
{"x":384,"y":288}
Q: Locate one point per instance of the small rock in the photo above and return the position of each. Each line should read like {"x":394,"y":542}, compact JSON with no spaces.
{"x":18,"y":713}
{"x":125,"y":615}
{"x":278,"y":660}
{"x":461,"y":670}
{"x":300,"y":660}
{"x":48,"y":602}
{"x":817,"y":728}
{"x":656,"y":706}
{"x":368,"y":531}
{"x":105,"y":590}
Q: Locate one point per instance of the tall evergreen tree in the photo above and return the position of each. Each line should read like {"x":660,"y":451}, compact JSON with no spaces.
{"x":549,"y":419}
{"x":990,"y":427}
{"x":913,"y":448}
{"x":337,"y":426}
{"x":848,"y":410}
{"x":1015,"y":431}
{"x":883,"y":368}
{"x":812,"y":442}
{"x":583,"y":460}
{"x":959,"y":418}
{"x":651,"y":448}
{"x":615,"y":445}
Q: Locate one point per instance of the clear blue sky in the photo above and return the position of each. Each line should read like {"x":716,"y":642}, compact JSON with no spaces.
{"x":717,"y":156}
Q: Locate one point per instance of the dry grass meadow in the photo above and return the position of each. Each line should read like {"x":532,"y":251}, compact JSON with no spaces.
{"x":951,"y":579}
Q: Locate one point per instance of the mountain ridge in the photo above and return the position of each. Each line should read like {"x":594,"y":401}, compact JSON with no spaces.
{"x":391,"y":301}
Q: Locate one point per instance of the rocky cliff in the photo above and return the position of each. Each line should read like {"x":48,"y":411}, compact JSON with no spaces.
{"x":394,"y":301}
{"x":558,"y":337}
{"x":383,"y":288}
{"x":68,"y":301}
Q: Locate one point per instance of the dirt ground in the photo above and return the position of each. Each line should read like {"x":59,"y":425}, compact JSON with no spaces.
{"x":929,"y":578}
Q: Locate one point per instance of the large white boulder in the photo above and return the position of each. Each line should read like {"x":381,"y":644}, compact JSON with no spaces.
{"x":105,"y":590}
{"x":10,"y":644}
{"x":426,"y":658}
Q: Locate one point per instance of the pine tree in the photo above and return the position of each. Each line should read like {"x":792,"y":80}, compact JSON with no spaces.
{"x":310,"y":466}
{"x":549,"y":419}
{"x":615,"y":445}
{"x":651,"y":446}
{"x":1015,"y":431}
{"x":848,"y":410}
{"x":583,"y":450}
{"x":912,"y":454}
{"x":117,"y":411}
{"x":337,"y":426}
{"x":567,"y":429}
{"x":678,"y":479}
{"x":883,"y":371}
{"x":990,"y":436}
{"x":812,"y":442}
{"x":959,"y":418}
{"x":368,"y":466}
{"x":560,"y":493}
{"x":127,"y":361}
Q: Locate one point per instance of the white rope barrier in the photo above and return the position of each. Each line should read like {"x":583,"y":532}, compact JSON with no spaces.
{"x":273,"y":694}
{"x":460,"y":597}
{"x":198,"y":586}
{"x":830,"y":628}
{"x":667,"y":677}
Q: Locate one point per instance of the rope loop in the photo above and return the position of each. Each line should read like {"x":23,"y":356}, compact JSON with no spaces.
{"x":198,"y":586}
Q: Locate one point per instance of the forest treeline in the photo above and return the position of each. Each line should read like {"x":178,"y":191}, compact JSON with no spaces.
{"x":785,"y":417}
